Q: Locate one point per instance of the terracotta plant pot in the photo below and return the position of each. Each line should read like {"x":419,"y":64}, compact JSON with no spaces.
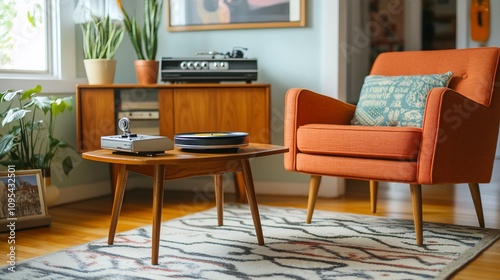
{"x":100,"y":71}
{"x":147,"y":71}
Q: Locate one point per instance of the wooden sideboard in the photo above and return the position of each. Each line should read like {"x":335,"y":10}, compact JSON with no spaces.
{"x":175,"y":108}
{"x":180,"y":108}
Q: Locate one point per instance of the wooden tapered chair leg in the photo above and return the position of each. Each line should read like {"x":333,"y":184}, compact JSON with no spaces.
{"x":373,"y":195}
{"x":476,"y":198}
{"x":416,"y":200}
{"x":313,"y":193}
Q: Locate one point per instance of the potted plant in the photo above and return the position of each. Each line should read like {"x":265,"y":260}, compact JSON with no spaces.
{"x":101,"y":38}
{"x":145,"y":41}
{"x":27,"y":138}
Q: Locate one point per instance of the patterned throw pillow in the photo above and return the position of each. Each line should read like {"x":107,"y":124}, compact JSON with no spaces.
{"x":396,"y":100}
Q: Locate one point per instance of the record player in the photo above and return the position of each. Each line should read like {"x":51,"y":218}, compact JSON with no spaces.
{"x":211,"y":141}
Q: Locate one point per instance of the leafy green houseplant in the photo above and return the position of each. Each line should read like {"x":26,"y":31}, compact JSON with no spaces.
{"x":145,"y":40}
{"x":28,"y":125}
{"x":101,"y":39}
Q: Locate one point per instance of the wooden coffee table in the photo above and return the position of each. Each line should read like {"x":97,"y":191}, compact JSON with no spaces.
{"x":176,"y":164}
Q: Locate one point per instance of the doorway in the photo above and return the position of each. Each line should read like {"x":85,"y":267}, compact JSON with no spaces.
{"x":439,"y":24}
{"x":376,"y":26}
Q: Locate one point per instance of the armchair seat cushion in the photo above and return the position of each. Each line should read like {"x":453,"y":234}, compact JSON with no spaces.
{"x":375,"y":142}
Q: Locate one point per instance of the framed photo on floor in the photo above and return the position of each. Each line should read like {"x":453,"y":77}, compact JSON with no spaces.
{"x":22,"y":200}
{"x":190,"y":15}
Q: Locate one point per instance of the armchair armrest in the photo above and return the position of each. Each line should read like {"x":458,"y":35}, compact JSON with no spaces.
{"x":459,"y":138}
{"x":302,"y":107}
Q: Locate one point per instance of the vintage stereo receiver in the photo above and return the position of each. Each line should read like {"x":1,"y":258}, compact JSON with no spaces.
{"x":199,"y":69}
{"x":209,"y":68}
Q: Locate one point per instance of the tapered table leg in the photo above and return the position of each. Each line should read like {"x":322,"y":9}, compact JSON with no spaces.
{"x":219,"y":198}
{"x":239,"y":182}
{"x":121,"y":183}
{"x":252,"y":200}
{"x":159,"y":173}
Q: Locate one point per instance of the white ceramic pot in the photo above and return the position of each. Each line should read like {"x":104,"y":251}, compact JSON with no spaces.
{"x":51,"y":191}
{"x":100,"y":71}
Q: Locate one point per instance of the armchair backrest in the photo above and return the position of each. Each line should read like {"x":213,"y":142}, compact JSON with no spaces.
{"x":474,"y":70}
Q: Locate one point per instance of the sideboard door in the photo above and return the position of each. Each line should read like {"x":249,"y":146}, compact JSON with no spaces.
{"x":223,"y":109}
{"x":95,"y":117}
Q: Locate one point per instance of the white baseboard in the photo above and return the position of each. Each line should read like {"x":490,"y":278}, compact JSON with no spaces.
{"x":331,"y":186}
{"x":83,"y":192}
{"x":202,"y":185}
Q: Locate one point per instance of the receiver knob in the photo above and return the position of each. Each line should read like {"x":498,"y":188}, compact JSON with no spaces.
{"x":223,"y":65}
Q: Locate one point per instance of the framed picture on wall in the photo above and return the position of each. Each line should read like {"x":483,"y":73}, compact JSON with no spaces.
{"x":22,"y":200}
{"x":189,"y":15}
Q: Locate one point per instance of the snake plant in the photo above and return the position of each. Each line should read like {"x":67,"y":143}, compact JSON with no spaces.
{"x":145,"y":41}
{"x":101,"y":37}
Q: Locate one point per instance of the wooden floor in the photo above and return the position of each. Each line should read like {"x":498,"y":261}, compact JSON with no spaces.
{"x":77,"y":223}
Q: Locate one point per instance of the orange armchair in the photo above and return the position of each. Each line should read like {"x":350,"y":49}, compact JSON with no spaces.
{"x":456,"y":143}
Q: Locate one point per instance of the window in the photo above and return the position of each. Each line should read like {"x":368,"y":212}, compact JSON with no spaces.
{"x":24,"y":39}
{"x":32,"y":48}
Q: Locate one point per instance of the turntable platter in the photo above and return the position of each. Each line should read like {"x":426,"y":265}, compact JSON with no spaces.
{"x":211,"y":140}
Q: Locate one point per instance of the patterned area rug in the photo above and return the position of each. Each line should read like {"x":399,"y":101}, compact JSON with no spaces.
{"x":334,"y":245}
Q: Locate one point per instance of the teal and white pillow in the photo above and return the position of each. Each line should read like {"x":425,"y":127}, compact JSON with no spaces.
{"x":396,"y":100}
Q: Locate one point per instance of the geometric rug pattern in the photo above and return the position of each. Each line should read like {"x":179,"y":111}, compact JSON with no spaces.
{"x":333,"y":246}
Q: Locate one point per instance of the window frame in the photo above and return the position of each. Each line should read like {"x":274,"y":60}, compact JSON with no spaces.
{"x":62,"y":76}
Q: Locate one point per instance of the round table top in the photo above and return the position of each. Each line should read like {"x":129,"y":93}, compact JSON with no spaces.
{"x":180,"y":156}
